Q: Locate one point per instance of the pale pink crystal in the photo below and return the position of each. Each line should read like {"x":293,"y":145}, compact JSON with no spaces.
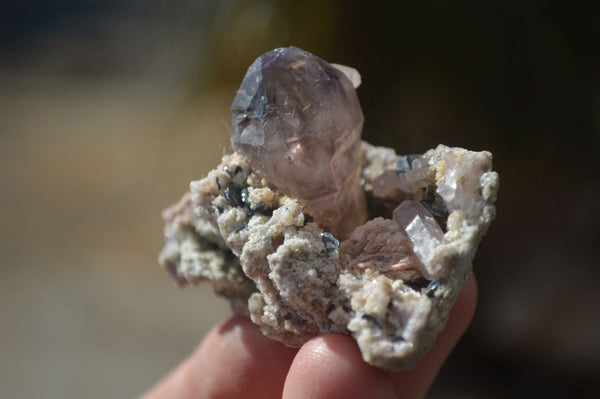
{"x":298,"y":121}
{"x":425,"y":234}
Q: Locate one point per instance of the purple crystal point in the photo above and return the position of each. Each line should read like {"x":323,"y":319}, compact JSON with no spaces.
{"x":298,"y":121}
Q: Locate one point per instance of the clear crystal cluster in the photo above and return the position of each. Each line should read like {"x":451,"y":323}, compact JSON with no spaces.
{"x":298,"y":120}
{"x":284,"y":230}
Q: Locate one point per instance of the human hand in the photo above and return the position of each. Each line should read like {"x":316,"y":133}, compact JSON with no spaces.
{"x":236,"y":361}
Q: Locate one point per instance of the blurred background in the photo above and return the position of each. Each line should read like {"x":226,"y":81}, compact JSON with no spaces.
{"x":109,"y":108}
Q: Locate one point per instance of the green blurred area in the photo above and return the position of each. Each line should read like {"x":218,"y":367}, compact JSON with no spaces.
{"x":109,"y":109}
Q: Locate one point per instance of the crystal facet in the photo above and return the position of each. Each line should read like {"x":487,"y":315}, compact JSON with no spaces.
{"x":298,"y":121}
{"x":424,"y":233}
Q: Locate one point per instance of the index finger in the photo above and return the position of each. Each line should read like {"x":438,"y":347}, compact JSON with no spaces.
{"x":235,"y":360}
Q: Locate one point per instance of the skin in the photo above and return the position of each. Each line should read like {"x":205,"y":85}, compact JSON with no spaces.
{"x":235,"y":360}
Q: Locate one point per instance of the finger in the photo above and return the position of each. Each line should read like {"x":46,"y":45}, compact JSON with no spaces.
{"x":330,"y":366}
{"x":235,"y":360}
{"x":416,"y":383}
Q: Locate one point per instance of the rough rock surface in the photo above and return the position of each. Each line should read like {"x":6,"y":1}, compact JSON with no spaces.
{"x":390,"y":285}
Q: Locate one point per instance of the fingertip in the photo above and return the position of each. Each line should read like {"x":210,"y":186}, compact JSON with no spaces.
{"x":460,"y":316}
{"x":331,"y":366}
{"x":464,"y":308}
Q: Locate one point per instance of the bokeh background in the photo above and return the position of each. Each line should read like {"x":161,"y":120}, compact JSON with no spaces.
{"x":109,"y":108}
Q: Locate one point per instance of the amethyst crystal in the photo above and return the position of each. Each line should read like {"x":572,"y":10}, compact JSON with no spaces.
{"x":298,"y":121}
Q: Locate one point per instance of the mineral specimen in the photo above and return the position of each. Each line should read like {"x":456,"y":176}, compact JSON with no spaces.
{"x":280,"y":226}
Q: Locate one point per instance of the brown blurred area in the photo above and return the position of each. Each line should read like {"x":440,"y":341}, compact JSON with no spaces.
{"x":109,"y":108}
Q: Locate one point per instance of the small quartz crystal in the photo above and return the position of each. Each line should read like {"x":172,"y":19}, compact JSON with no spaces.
{"x":424,"y":233}
{"x":298,"y":121}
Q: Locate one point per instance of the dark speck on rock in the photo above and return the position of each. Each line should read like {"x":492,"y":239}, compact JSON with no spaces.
{"x":331,"y":243}
{"x":237,"y":171}
{"x":432,"y":287}
{"x":402,"y":165}
{"x":372,"y":319}
{"x":233,"y":195}
{"x":417,"y":283}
